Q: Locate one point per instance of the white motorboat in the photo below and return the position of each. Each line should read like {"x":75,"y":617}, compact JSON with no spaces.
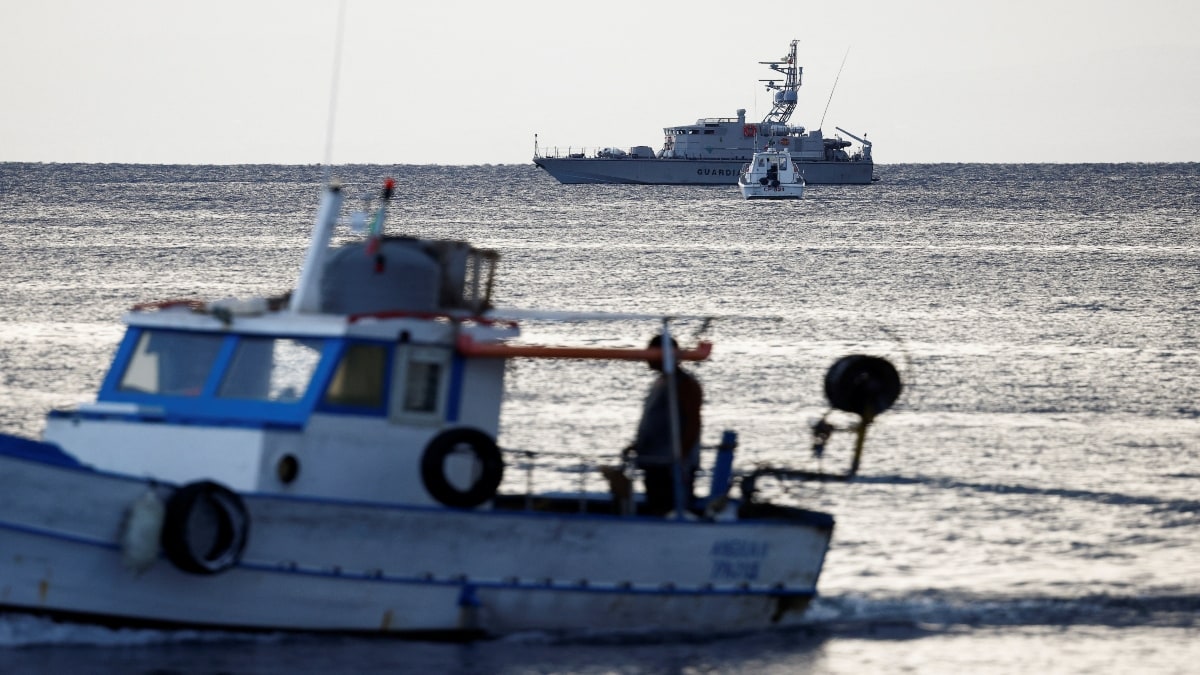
{"x":771,"y":174}
{"x":327,"y":460}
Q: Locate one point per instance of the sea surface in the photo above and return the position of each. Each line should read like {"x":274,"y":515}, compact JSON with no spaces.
{"x":1032,"y":503}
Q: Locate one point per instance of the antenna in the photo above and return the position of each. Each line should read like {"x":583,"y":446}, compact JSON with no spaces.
{"x":333,"y":89}
{"x":306,"y":297}
{"x":833,"y":89}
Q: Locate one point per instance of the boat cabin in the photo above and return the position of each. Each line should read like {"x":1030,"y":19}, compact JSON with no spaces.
{"x":771,"y":165}
{"x":338,"y":403}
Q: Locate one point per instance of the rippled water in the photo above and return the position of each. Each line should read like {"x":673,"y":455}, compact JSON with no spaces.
{"x":1031,"y":505}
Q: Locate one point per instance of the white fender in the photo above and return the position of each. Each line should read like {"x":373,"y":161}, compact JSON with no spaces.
{"x":141,"y":531}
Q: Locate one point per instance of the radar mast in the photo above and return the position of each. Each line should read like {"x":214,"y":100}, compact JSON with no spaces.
{"x":786,"y":93}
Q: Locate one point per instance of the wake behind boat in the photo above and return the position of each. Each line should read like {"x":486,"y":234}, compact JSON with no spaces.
{"x":327,"y":460}
{"x":713,"y":150}
{"x":771,"y":174}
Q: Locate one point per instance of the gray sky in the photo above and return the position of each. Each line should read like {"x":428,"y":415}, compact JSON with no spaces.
{"x":471,"y":82}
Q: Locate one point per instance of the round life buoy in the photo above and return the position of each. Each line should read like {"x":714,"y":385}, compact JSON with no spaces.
{"x":783,"y":142}
{"x":485,"y":480}
{"x":205,"y":528}
{"x":749,"y":130}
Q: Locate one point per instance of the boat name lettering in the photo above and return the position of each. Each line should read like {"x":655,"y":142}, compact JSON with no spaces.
{"x":737,"y":559}
{"x":716,"y":172}
{"x":738,"y":548}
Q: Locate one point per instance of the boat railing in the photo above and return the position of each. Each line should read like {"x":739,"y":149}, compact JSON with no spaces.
{"x":586,"y":483}
{"x":556,"y":153}
{"x":859,"y":388}
{"x":584,"y":152}
{"x":586,"y":479}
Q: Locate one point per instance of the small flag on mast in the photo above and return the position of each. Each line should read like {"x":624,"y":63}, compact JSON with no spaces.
{"x":375,"y":229}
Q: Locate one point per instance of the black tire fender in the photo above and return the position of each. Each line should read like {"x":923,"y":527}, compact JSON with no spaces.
{"x":205,"y":528}
{"x":487,"y":454}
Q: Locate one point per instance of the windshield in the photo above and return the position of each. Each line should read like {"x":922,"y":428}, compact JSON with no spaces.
{"x":171,"y":363}
{"x":271,"y":369}
{"x":177,"y":363}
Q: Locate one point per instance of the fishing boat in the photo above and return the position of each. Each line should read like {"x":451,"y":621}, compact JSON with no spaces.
{"x":771,"y":174}
{"x":712,"y":151}
{"x":328,"y":460}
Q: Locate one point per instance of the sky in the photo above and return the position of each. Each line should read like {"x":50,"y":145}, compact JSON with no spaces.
{"x":472,"y":82}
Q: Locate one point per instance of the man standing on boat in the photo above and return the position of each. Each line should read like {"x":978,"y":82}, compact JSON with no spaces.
{"x":655,"y":441}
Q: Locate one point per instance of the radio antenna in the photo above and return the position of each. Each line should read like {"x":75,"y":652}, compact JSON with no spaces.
{"x":833,"y":88}
{"x":333,"y":88}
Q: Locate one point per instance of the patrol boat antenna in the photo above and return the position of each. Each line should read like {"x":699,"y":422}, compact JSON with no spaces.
{"x":785,"y":94}
{"x":833,"y":89}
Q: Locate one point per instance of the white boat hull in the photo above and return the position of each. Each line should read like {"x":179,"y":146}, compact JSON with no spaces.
{"x":782,"y":191}
{"x":322,"y":565}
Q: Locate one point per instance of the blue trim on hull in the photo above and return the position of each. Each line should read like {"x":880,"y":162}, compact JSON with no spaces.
{"x":176,"y":419}
{"x":36,"y":451}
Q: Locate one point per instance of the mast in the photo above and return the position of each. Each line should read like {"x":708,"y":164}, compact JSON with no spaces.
{"x":306,"y":298}
{"x":786,"y":93}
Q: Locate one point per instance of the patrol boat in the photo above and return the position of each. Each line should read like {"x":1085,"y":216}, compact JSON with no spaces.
{"x":713,"y":150}
{"x":771,"y":174}
{"x":327,"y":460}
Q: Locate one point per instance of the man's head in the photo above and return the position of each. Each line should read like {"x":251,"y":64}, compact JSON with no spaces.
{"x":656,"y":343}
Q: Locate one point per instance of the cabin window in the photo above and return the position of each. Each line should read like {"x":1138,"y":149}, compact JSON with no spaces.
{"x":171,"y":363}
{"x":358,"y":380}
{"x":271,"y":369}
{"x":419,"y":381}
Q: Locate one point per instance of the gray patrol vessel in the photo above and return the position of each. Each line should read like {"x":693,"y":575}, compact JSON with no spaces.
{"x":713,"y":150}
